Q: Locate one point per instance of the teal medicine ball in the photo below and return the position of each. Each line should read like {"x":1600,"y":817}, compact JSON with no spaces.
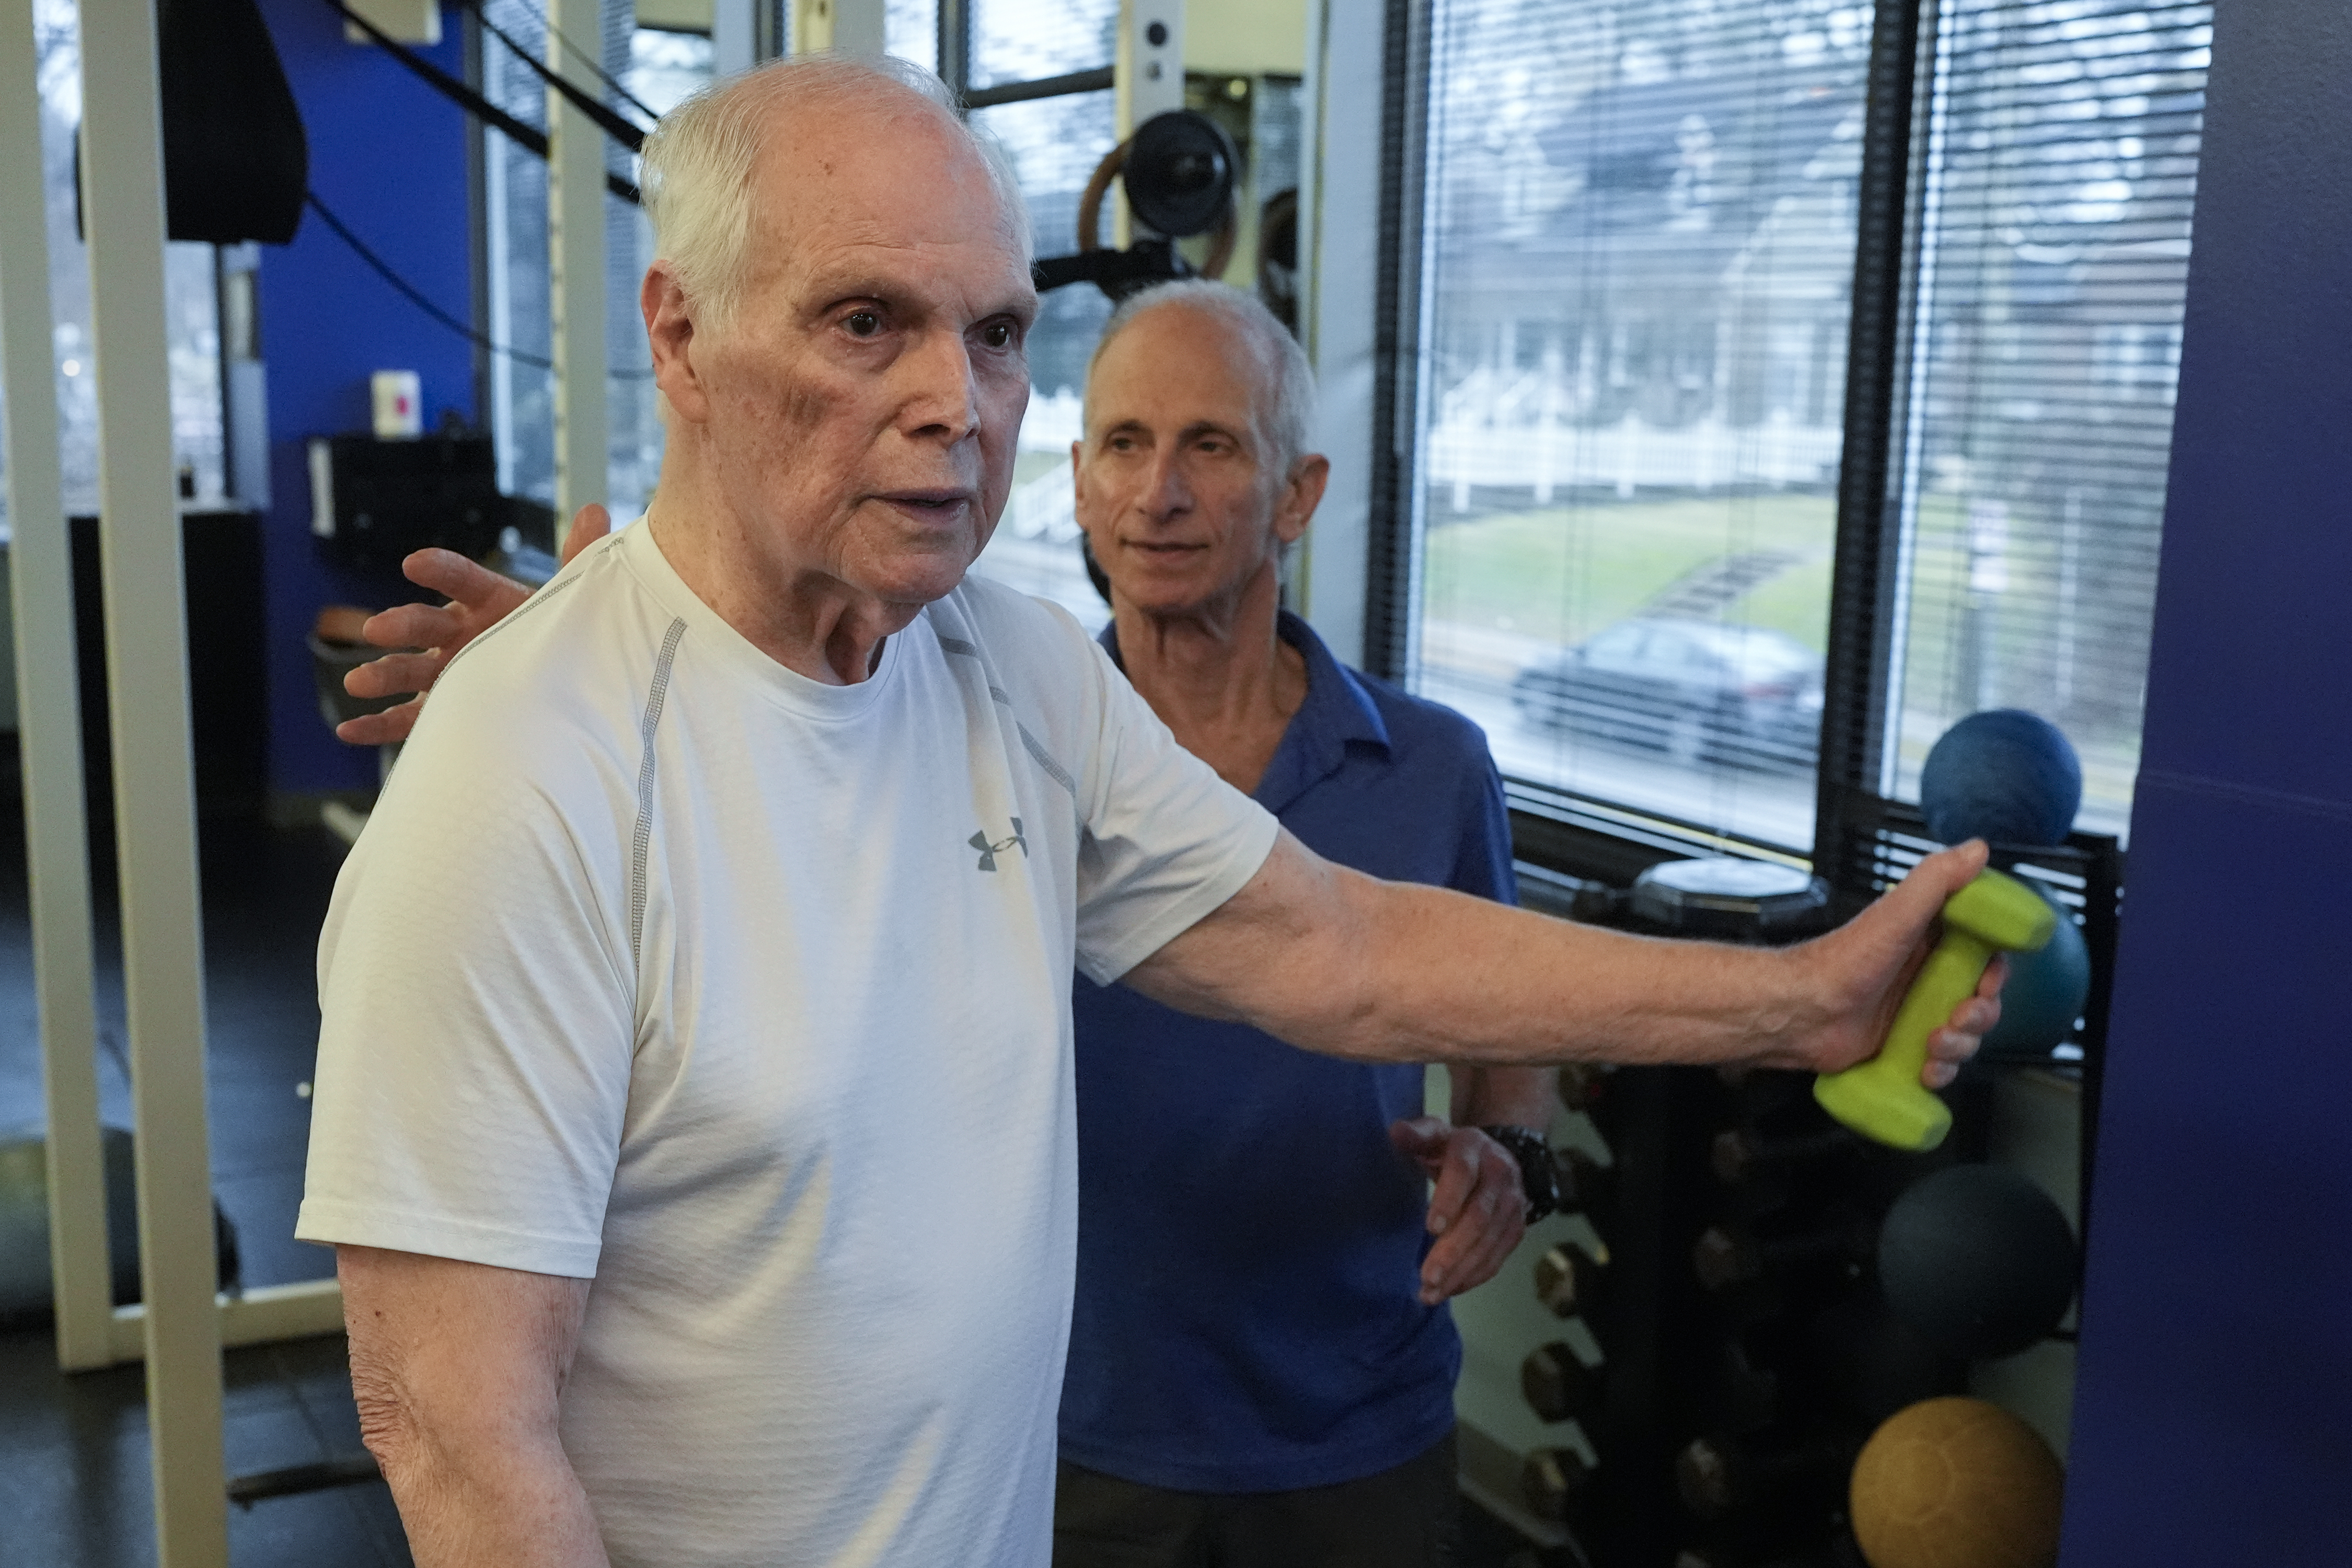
{"x":2004,"y":775}
{"x":2044,"y":993}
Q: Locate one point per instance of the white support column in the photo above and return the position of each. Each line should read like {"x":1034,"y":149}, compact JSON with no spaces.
{"x":1338,"y":214}
{"x":857,"y":26}
{"x":1149,"y":70}
{"x":808,"y":26}
{"x":1147,"y":79}
{"x":263,"y":1315}
{"x":48,"y":702}
{"x":576,"y":255}
{"x":147,"y":673}
{"x":734,"y":36}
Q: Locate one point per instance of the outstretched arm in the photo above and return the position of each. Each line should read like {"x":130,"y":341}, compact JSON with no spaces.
{"x":477,"y":599}
{"x":1340,"y":963}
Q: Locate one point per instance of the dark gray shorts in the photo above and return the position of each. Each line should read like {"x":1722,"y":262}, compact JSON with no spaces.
{"x":1405,"y":1518}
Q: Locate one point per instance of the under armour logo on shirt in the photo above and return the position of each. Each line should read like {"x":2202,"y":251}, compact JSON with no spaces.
{"x":988,"y":852}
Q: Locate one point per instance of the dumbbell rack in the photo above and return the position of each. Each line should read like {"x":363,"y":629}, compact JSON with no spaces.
{"x":1816,"y":1332}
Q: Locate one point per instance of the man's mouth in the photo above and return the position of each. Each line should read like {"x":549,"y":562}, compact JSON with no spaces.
{"x":939,"y":505}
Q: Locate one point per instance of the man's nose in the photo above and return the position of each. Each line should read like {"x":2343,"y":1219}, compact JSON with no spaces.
{"x":941,"y":392}
{"x":1165,"y":491}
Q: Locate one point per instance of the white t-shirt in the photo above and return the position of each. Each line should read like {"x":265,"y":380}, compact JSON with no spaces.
{"x":749,"y":997}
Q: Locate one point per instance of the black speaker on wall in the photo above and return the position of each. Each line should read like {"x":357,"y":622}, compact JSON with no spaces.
{"x":237,"y":164}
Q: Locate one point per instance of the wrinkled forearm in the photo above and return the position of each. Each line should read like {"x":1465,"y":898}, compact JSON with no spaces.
{"x":1445,"y":976}
{"x":457,"y":1369}
{"x":478,"y":1499}
{"x":1334,"y":961}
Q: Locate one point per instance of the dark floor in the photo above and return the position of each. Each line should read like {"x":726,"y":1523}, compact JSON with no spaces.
{"x":74,"y":1490}
{"x":73,"y":1449}
{"x":73,"y":1462}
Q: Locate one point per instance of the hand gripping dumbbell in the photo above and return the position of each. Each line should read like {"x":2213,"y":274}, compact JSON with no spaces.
{"x":1883,"y":1098}
{"x":1567,"y":1275}
{"x":1559,"y":1384}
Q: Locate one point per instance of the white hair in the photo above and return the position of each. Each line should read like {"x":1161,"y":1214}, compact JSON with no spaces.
{"x":1284,"y":405}
{"x":699,"y":164}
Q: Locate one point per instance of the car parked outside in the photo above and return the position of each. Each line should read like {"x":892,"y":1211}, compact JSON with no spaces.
{"x":1701,"y":690}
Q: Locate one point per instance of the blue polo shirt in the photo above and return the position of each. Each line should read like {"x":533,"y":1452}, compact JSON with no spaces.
{"x":1249,"y":1242}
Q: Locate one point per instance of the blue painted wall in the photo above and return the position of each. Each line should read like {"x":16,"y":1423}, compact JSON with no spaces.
{"x":388,"y":155}
{"x":2213,"y":1416}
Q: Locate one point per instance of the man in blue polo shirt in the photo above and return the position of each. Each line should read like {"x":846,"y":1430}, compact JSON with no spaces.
{"x":1261,"y":1363}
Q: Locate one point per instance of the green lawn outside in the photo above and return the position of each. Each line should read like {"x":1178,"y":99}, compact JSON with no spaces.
{"x":2106,"y":736}
{"x":1027,"y":466}
{"x":1556,"y":575}
{"x":1561,"y":573}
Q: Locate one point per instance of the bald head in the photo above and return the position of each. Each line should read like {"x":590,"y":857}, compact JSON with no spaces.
{"x":1282,"y":382}
{"x":707,"y":164}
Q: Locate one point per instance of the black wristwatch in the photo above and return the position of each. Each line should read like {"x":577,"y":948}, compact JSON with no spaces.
{"x":1538,"y":1184}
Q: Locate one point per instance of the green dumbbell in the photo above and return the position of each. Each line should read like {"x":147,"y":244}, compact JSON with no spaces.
{"x":1883,"y":1098}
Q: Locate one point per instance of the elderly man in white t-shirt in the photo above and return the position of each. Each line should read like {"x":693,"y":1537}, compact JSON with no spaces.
{"x":694,"y":1112}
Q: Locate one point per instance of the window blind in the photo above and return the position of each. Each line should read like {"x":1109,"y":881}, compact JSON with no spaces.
{"x":1029,"y":40}
{"x":2053,"y":226}
{"x":1637,"y":249}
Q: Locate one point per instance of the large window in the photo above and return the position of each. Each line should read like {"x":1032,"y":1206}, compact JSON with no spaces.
{"x":1636,"y":250}
{"x":514,"y":190}
{"x":1639,"y":244}
{"x":1055,"y":143}
{"x":2054,"y":256}
{"x":658,"y":69}
{"x":191,"y":300}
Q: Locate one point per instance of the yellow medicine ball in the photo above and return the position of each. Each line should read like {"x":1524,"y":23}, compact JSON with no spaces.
{"x":1957,"y":1483}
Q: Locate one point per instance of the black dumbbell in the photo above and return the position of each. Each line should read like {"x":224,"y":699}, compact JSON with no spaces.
{"x":1873,"y":1363}
{"x":1584,"y":1182}
{"x":1551,"y":1479}
{"x":1749,"y":1391}
{"x":1559,"y":1384}
{"x":1739,"y":1155}
{"x":1567,"y":1275}
{"x":1727,"y":1255}
{"x":1583,"y":1086}
{"x":1718,"y":1475}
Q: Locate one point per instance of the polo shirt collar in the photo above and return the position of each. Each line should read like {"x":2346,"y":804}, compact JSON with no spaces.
{"x":1338,"y":709}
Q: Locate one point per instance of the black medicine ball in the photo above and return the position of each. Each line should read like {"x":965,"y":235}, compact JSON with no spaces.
{"x":1978,"y":1259}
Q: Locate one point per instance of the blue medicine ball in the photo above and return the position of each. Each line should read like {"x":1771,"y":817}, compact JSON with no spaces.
{"x":2006,"y":775}
{"x":2044,"y":993}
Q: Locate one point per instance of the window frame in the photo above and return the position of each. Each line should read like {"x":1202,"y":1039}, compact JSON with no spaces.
{"x":1569,"y":834}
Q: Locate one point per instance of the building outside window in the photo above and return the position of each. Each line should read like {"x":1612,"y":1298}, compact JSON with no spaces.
{"x":1637,"y":252}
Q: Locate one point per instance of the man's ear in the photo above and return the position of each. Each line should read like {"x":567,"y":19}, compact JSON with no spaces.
{"x":1301,"y":494}
{"x":670,"y":334}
